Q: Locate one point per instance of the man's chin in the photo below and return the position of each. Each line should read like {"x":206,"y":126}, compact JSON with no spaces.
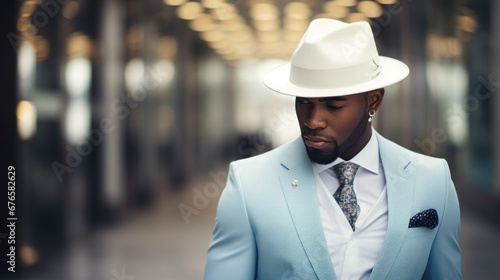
{"x":322,"y":157}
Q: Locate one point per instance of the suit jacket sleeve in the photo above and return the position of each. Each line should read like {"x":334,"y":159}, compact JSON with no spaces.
{"x":445,"y":256}
{"x":232,"y":252}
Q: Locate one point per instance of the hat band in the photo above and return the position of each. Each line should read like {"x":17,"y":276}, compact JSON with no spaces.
{"x":335,"y":78}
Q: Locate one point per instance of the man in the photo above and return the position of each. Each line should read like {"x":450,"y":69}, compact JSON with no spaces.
{"x":340,"y":202}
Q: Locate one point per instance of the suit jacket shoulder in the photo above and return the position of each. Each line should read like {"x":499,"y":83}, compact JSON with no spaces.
{"x":403,"y":160}
{"x":273,"y":162}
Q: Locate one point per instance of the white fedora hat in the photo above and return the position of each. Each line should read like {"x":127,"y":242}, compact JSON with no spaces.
{"x":333,"y":59}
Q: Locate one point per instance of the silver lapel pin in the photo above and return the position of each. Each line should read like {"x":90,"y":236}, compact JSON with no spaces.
{"x":295,"y":183}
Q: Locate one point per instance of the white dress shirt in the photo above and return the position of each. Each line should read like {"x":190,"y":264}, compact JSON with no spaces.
{"x":354,"y":254}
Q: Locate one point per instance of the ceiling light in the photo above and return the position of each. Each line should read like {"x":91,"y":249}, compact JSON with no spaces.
{"x":70,"y":10}
{"x":174,"y":2}
{"x":166,"y":47}
{"x":217,"y":45}
{"x":79,"y":44}
{"x":26,"y":119}
{"x":346,"y":3}
{"x":190,"y":10}
{"x":235,"y":23}
{"x":204,"y":22}
{"x":297,"y":10}
{"x":267,"y":25}
{"x":28,"y":8}
{"x":354,"y":17}
{"x":467,"y":23}
{"x":370,"y":9}
{"x":225,"y":50}
{"x":269,"y":36}
{"x":291,"y":23}
{"x":387,"y":2}
{"x":292,"y":36}
{"x":241,"y":35}
{"x":211,"y":4}
{"x":212,"y":35}
{"x":334,"y":10}
{"x":225,"y":11}
{"x":264,"y":11}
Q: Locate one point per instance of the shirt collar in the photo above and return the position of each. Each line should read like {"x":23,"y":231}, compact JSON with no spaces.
{"x":367,"y":158}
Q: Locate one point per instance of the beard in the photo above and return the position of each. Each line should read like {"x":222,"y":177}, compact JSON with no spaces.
{"x":327,"y":157}
{"x":322,"y":157}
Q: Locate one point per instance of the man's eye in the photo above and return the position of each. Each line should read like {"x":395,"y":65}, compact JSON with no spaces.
{"x":303,"y":101}
{"x":333,"y":107}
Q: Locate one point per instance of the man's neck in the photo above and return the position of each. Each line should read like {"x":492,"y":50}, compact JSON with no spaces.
{"x":358,"y":145}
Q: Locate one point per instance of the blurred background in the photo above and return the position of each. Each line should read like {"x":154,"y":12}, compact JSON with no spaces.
{"x":120,"y":118}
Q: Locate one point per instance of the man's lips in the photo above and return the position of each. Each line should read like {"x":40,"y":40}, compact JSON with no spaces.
{"x":316,"y":142}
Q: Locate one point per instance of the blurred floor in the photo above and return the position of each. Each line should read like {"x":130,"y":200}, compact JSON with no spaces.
{"x":161,"y":245}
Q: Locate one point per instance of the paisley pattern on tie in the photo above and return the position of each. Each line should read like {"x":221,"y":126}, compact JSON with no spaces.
{"x":345,"y":195}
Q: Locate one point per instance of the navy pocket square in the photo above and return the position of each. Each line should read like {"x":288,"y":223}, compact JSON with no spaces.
{"x":427,"y":218}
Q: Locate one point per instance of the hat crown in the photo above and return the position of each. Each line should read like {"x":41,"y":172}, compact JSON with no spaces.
{"x":334,"y":58}
{"x":329,"y":44}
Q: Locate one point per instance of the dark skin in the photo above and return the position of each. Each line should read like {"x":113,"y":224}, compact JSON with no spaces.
{"x":336,"y":126}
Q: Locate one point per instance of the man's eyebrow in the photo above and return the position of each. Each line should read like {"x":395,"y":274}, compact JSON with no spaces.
{"x":333,"y":98}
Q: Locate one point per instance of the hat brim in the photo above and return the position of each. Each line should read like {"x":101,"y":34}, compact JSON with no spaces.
{"x":393,"y":71}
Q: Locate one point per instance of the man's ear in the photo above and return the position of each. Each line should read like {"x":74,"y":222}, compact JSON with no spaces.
{"x":375,"y":98}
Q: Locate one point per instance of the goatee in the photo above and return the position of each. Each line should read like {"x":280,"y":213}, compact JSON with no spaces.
{"x":320,"y":157}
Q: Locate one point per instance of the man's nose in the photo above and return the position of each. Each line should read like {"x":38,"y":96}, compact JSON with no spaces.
{"x":315,"y":119}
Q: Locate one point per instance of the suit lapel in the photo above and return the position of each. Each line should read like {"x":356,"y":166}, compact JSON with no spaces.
{"x":400,"y":186}
{"x":299,"y":190}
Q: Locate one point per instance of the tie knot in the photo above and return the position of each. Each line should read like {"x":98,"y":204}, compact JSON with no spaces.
{"x":345,"y":172}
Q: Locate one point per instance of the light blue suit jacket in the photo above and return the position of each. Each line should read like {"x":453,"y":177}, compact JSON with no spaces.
{"x":268,"y":229}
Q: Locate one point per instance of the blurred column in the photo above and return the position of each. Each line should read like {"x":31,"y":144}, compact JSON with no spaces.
{"x":216,"y":110}
{"x":145,"y":114}
{"x":185,"y":127}
{"x":148,"y":110}
{"x":111,"y":88}
{"x":495,"y":41}
{"x":413,"y":31}
{"x":400,"y":33}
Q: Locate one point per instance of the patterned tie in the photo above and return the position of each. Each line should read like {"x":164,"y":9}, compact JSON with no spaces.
{"x":345,"y":195}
